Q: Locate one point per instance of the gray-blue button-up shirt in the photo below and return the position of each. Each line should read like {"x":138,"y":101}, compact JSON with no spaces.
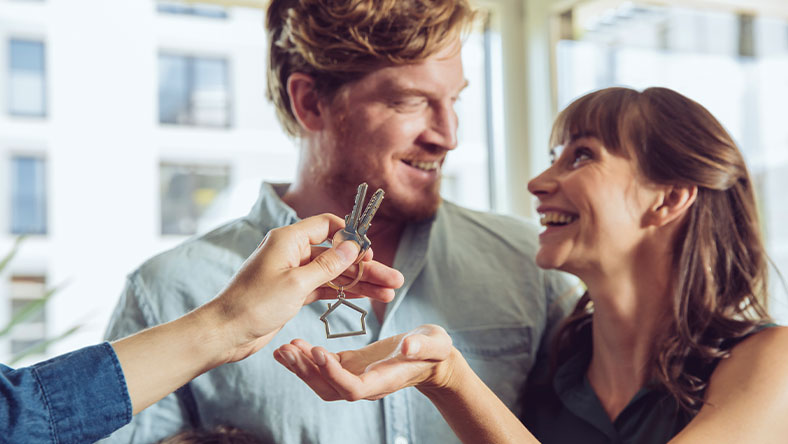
{"x":470,"y":272}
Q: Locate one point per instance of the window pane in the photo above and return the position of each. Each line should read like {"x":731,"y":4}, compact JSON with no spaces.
{"x":186,"y":192}
{"x":210,"y":11}
{"x":209,"y":97}
{"x":193,"y":91}
{"x":26,"y":79}
{"x":25,"y":290}
{"x":28,"y":196}
{"x":173,"y":89}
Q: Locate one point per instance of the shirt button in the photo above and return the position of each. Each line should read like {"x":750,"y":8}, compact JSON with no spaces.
{"x":400,"y":440}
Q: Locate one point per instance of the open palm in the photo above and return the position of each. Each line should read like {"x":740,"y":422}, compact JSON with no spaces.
{"x":410,"y":359}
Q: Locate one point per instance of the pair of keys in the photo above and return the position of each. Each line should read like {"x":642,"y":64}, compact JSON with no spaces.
{"x":356,"y":226}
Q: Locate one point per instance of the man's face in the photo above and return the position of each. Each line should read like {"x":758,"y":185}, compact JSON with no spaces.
{"x":393,"y":129}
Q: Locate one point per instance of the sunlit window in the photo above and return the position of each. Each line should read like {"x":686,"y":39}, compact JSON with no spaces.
{"x":28,"y":195}
{"x":27,"y":294}
{"x":26,"y":78}
{"x":198,"y":10}
{"x":186,"y":193}
{"x":193,"y":91}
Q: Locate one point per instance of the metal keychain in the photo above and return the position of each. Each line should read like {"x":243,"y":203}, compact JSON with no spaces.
{"x":356,"y":226}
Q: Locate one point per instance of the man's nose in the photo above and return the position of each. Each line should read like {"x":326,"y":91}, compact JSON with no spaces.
{"x":442,"y":127}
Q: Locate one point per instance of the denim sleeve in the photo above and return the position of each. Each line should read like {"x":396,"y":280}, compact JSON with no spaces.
{"x":74,"y":398}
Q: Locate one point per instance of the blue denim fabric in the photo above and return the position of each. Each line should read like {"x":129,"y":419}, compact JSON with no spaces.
{"x":470,"y":272}
{"x":78,"y":397}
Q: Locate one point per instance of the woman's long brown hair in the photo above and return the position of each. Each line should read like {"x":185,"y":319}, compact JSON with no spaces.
{"x":719,"y":264}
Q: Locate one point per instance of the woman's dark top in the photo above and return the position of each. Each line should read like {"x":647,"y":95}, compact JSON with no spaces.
{"x":567,"y":411}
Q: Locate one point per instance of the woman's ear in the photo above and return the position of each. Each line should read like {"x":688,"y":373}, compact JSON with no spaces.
{"x":672,"y":202}
{"x":304,"y":101}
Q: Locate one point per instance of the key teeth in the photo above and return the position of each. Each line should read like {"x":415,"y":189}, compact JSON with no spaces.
{"x":369,"y":211}
{"x":354,"y":215}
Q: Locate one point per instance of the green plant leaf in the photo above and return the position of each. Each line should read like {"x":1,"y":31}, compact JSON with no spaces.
{"x":29,"y":310}
{"x":42,"y":346}
{"x":8,"y":257}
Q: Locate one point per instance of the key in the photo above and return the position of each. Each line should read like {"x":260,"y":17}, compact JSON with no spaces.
{"x":369,"y":212}
{"x":357,"y":224}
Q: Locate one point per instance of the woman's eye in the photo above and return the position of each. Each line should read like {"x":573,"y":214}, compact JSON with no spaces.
{"x":581,"y":155}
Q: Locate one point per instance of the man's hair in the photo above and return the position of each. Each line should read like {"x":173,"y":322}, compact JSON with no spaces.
{"x":340,"y":41}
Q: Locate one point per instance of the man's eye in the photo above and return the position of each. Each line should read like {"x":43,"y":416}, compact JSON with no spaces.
{"x":408,"y":103}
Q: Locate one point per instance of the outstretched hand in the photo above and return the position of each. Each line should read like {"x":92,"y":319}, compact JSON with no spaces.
{"x":287,"y":271}
{"x":422,"y":357}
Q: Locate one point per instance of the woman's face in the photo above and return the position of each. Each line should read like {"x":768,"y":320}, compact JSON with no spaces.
{"x":592,"y":203}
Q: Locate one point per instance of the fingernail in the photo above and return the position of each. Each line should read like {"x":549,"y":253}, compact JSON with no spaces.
{"x":414,"y":348}
{"x":289,"y":357}
{"x":347,"y":250}
{"x":320,"y":357}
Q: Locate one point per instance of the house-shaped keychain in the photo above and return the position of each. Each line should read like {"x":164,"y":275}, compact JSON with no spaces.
{"x":334,"y":306}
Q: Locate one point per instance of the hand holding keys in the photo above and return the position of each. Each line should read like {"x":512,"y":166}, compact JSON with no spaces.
{"x":357,"y":223}
{"x":356,"y":226}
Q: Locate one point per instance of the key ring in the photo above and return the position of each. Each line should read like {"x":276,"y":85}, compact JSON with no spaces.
{"x":342,"y":288}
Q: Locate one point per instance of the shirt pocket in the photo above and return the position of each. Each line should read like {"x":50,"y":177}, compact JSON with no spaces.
{"x":501,"y":356}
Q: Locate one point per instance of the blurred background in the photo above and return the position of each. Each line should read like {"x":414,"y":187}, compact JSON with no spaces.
{"x":127,"y":127}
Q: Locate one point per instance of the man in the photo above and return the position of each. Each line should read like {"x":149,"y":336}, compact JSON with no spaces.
{"x":368,"y":88}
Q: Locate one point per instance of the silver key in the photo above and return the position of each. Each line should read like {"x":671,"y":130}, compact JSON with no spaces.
{"x":357,"y":223}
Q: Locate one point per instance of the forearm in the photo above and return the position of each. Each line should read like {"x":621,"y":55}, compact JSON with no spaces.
{"x":159,"y":360}
{"x":473,"y":411}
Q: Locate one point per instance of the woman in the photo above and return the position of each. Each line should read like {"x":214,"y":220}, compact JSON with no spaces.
{"x":649,"y":202}
{"x":87,"y":394}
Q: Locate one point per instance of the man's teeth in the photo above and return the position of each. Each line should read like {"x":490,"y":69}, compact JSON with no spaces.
{"x":555,"y":218}
{"x":426,"y":166}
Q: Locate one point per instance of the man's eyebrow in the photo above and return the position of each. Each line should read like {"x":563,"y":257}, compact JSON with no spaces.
{"x":405,"y":91}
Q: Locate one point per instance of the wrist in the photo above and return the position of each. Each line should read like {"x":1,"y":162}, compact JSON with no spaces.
{"x":447,"y":375}
{"x":216,"y":336}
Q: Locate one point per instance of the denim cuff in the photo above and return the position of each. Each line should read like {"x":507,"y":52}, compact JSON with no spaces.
{"x":86,"y":394}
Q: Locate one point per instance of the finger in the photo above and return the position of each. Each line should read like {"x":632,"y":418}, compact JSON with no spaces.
{"x":359,"y":290}
{"x":374,"y":273}
{"x":317,"y":249}
{"x":316,"y":229}
{"x":302,"y":366}
{"x":328,"y":265}
{"x":347,"y":385}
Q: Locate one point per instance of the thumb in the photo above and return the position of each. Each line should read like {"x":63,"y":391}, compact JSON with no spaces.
{"x":329,"y":264}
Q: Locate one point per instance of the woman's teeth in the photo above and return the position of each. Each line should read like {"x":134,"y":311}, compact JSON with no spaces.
{"x":555,"y":218}
{"x":425,"y":166}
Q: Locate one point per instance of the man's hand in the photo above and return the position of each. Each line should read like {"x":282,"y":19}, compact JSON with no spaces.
{"x":286,"y":272}
{"x":423,"y":357}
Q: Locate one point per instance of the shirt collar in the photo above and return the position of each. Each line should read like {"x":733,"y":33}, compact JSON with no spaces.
{"x":270,"y":210}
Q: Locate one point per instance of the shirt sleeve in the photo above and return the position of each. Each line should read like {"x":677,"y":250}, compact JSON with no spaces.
{"x":74,"y":398}
{"x":563,"y":291}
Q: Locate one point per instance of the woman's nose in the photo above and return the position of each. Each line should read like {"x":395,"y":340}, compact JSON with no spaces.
{"x":543,"y":184}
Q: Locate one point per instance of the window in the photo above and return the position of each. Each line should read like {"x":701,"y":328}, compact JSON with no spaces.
{"x":28,"y":195}
{"x":186,"y":192}
{"x":193,"y":91}
{"x":28,"y":294}
{"x":209,"y":11}
{"x":26,"y":79}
